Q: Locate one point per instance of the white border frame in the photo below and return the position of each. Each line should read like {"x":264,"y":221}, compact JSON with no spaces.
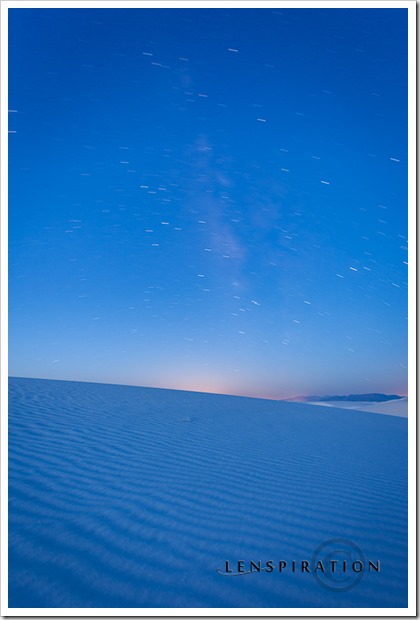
{"x":412,"y":223}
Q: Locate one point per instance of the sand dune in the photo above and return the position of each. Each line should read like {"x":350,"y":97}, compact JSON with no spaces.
{"x":389,"y":407}
{"x":136,"y":497}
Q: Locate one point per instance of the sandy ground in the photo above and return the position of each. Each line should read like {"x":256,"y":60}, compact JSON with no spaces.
{"x":390,"y":407}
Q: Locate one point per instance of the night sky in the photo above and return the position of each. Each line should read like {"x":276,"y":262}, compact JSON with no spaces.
{"x":209,"y":199}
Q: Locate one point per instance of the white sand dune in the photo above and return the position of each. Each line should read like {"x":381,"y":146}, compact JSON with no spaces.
{"x":389,"y":407}
{"x":135,"y":497}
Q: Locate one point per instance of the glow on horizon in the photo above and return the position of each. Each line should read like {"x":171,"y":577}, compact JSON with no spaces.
{"x":205,"y":386}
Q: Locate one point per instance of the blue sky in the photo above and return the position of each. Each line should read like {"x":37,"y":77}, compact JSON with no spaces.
{"x":213,"y":200}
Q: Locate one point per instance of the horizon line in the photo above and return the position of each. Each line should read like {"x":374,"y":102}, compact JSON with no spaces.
{"x":153,"y":387}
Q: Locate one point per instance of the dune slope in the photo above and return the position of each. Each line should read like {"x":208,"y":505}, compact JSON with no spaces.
{"x":135,"y":497}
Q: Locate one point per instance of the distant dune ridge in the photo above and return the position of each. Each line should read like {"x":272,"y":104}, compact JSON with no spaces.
{"x":387,"y":404}
{"x":368,"y":398}
{"x":140,"y":498}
